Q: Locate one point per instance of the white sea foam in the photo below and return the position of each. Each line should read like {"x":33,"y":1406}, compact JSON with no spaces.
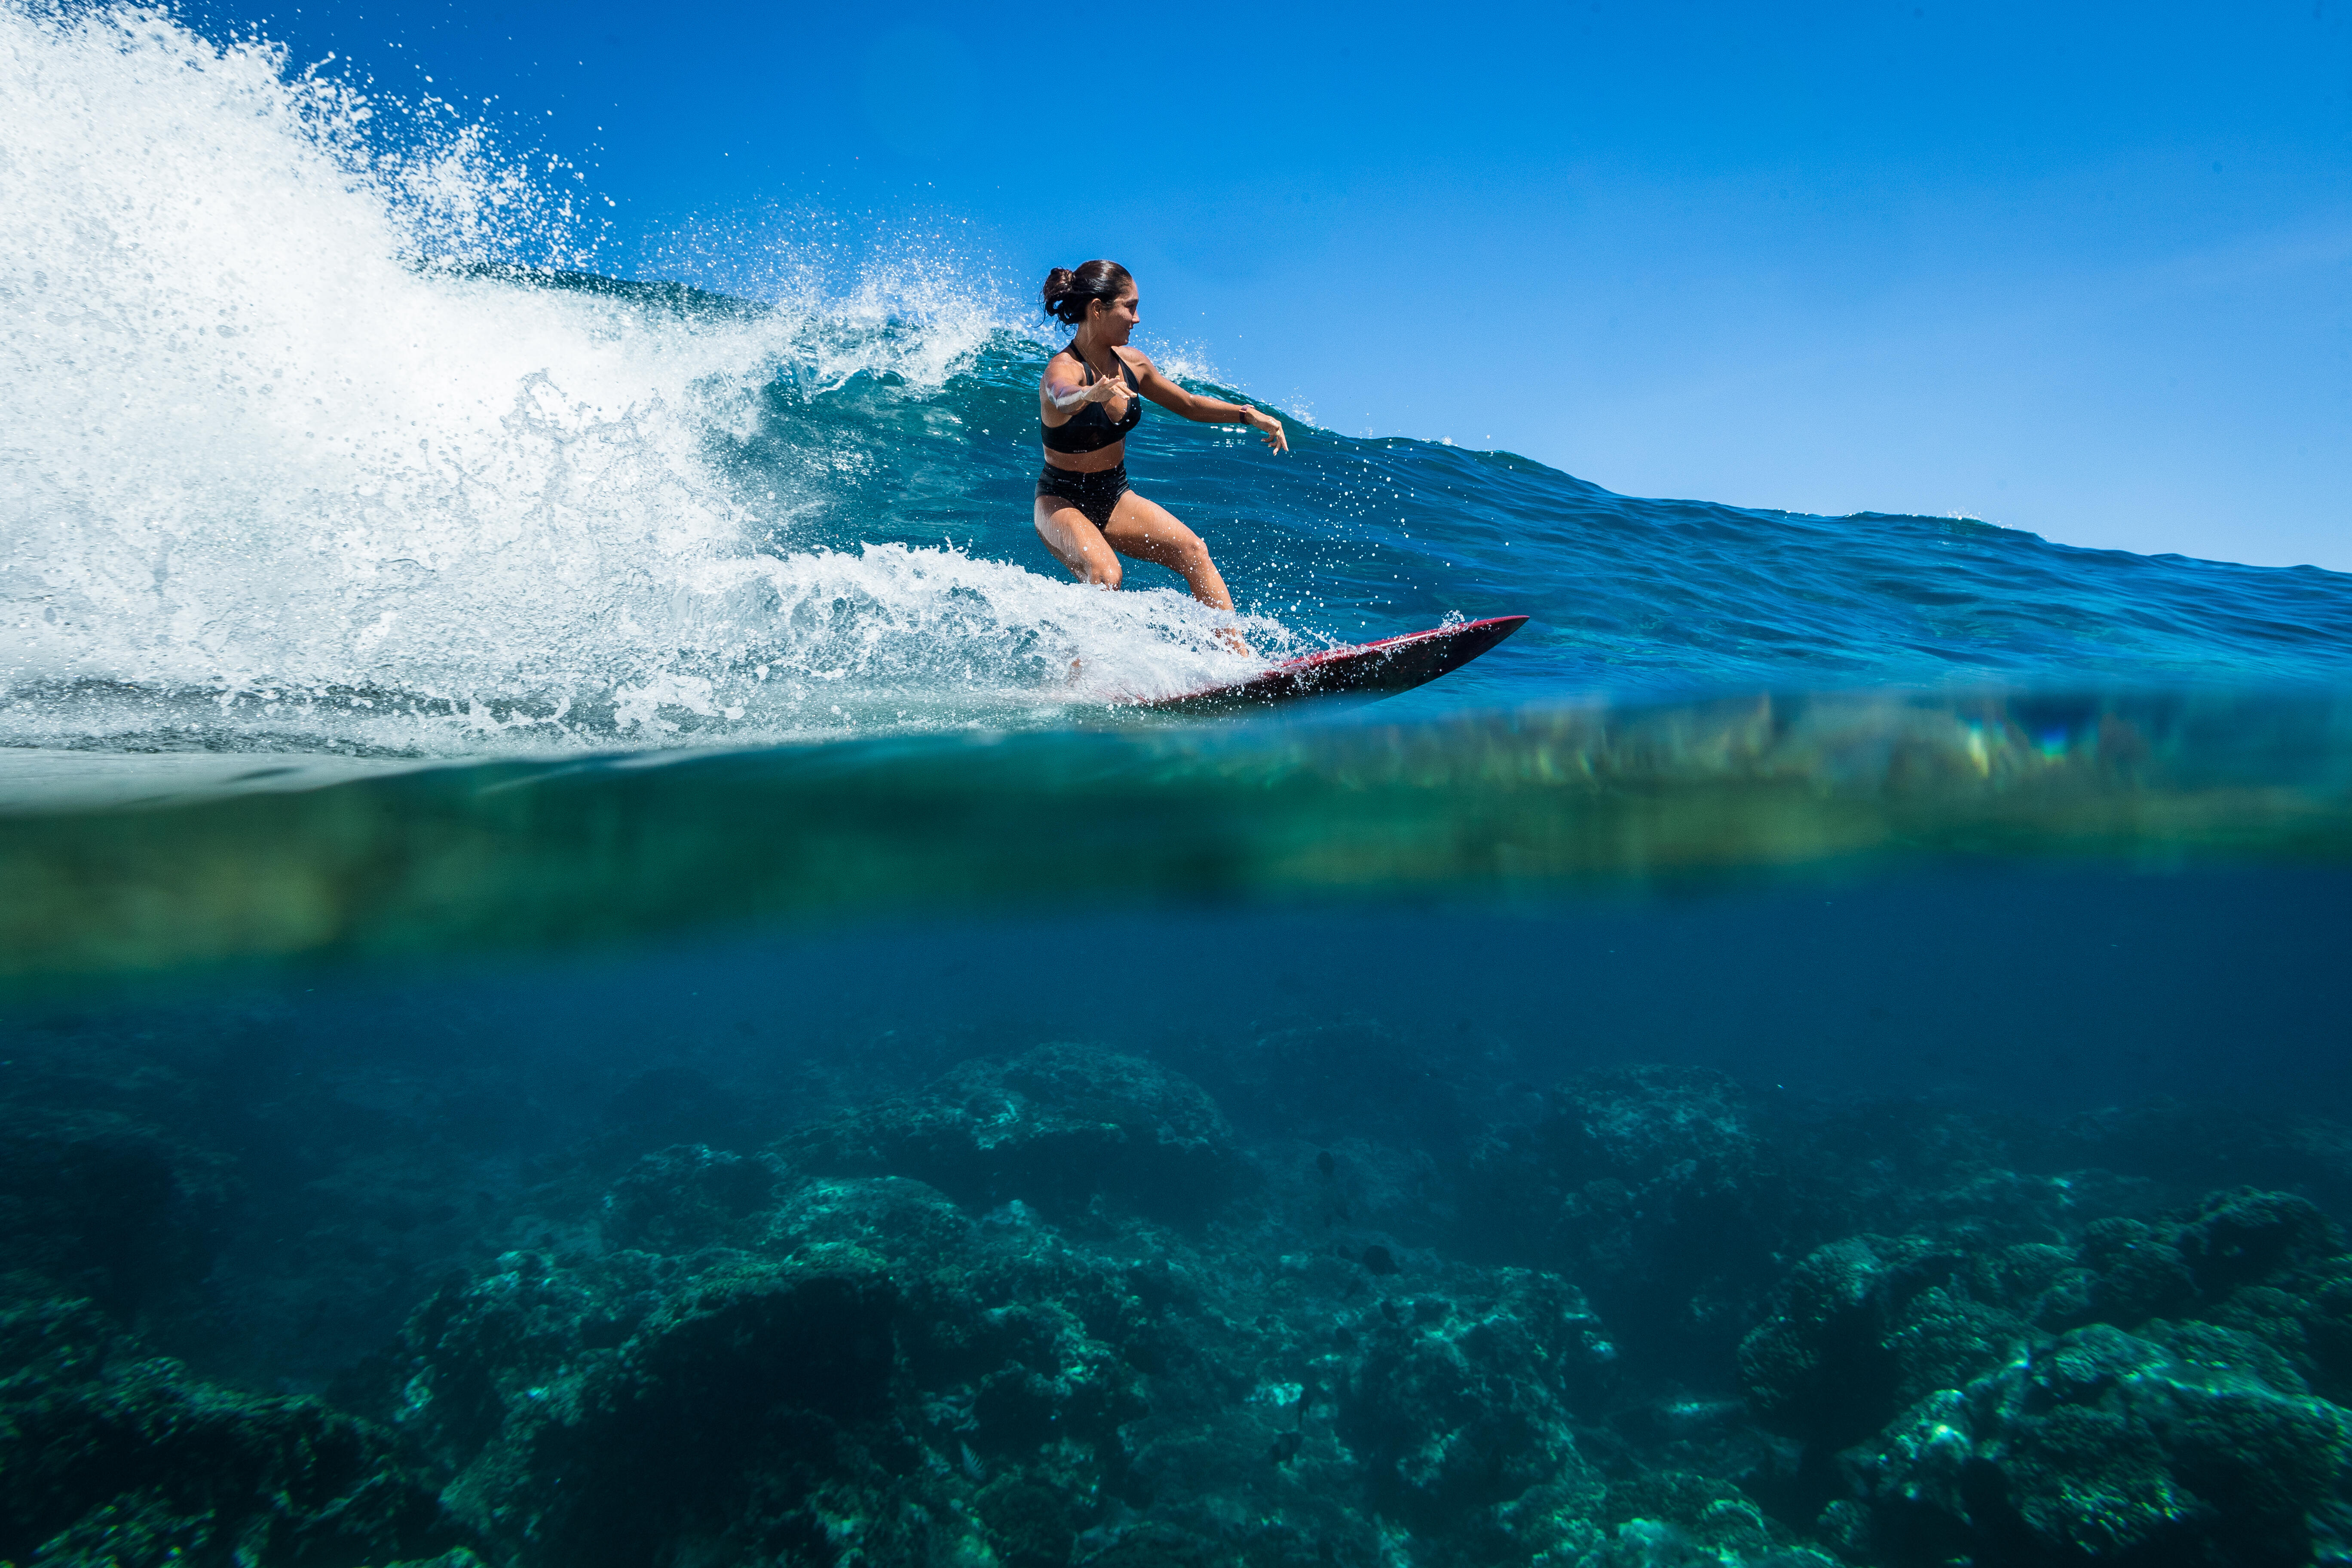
{"x":272,"y":472}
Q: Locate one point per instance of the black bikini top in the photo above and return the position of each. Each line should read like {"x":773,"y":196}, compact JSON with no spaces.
{"x":1090,"y":429}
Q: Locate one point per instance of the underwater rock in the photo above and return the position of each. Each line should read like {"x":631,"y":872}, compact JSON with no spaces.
{"x":2184,"y":1442}
{"x":1828,"y":1365}
{"x":1656,"y":1543}
{"x":767,"y":1379}
{"x":484,"y":1357}
{"x":737,"y":1403}
{"x":1459,"y":1409}
{"x":1056,"y":1128}
{"x":1870,"y":1321}
{"x":2227,"y":1249}
{"x":109,"y":1454}
{"x":861,"y":1369}
{"x":1863,"y":1326}
{"x":474,"y":1355}
{"x":2136,"y":1272}
{"x":1652,"y":1189}
{"x":2025,"y":1403}
{"x":689,"y":1196}
{"x":2239,"y":1236}
{"x":2309,"y":1324}
{"x":1675,"y":1516}
{"x":1674,"y":1519}
{"x":869,"y":1367}
{"x":1023,"y":1352}
{"x":1051,"y":1310}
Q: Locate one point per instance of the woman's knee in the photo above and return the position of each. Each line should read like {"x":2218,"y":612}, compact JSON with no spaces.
{"x":1167,"y":543}
{"x":1103,"y":569}
{"x":1192,"y":555}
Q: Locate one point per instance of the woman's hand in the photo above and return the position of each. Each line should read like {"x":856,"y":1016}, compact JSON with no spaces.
{"x":1269,"y":427}
{"x":1072,"y":396}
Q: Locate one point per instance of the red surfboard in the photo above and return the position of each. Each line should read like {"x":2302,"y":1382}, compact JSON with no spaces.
{"x":1372,"y":669}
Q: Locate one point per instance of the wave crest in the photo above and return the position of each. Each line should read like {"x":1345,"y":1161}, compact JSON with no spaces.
{"x":291,"y":444}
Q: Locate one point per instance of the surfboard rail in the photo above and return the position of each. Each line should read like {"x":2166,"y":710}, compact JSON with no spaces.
{"x":1372,"y":669}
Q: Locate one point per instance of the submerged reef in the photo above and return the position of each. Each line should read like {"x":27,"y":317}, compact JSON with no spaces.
{"x":110,"y":1455}
{"x":2151,"y":1390}
{"x":1350,"y":1299}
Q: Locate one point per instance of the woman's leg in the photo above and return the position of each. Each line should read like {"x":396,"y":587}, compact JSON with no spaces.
{"x":1147,"y":531}
{"x":1076,"y":543}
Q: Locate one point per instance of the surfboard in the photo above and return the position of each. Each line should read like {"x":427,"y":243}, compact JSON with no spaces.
{"x":1366,"y":671}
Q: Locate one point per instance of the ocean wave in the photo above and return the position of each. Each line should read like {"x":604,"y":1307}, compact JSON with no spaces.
{"x":318,"y":436}
{"x":283,"y":459}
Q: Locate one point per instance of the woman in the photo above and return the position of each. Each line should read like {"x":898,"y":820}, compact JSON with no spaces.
{"x":1087,"y":403}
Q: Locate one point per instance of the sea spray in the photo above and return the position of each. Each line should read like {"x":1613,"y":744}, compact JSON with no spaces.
{"x":295,"y":455}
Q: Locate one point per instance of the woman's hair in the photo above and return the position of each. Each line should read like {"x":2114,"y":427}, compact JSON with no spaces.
{"x":1067,"y":292}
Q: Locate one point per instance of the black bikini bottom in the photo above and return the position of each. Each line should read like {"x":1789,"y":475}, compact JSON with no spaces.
{"x":1093,"y":494}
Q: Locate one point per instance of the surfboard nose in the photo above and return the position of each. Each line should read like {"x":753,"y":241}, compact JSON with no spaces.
{"x":1493,"y":630}
{"x":1369,"y":670}
{"x":1403,"y":663}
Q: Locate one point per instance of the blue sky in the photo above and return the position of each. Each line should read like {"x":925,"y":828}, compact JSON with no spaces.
{"x":2085,"y":270}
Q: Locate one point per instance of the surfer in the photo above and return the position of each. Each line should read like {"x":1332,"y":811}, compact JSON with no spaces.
{"x":1090,"y":399}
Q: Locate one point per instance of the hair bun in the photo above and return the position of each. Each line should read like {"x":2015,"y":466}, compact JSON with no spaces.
{"x":1067,"y":291}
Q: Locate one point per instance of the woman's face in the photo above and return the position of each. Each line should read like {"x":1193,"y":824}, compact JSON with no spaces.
{"x":1120,"y":316}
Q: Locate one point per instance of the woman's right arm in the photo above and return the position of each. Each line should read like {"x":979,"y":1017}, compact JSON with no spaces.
{"x":1068,"y":392}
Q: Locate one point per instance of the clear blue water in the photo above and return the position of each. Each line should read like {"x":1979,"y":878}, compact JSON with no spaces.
{"x":595,"y":965}
{"x":803,"y":524}
{"x":1348,"y":539}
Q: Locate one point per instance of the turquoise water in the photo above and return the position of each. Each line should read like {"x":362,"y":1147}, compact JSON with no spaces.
{"x":855,"y":556}
{"x":597,"y":964}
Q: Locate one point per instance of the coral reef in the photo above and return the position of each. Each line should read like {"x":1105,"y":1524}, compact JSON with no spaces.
{"x":108,"y":1455}
{"x":1651,"y":1188}
{"x":1060,"y":1128}
{"x":2146,"y":1392}
{"x":1057,"y":1310}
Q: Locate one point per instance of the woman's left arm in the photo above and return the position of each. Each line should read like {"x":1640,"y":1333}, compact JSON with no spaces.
{"x":1209,"y":410}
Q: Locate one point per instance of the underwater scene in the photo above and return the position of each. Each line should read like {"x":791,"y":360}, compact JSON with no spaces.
{"x":602,"y":962}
